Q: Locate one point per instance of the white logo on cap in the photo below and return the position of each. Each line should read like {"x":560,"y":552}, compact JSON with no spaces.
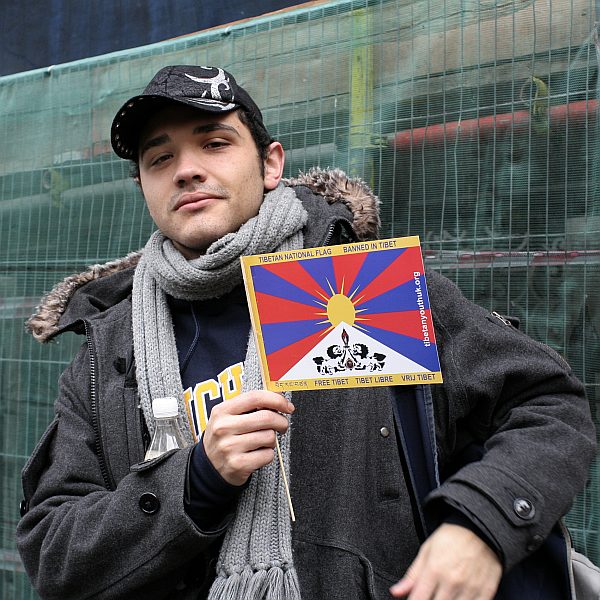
{"x":220,"y":79}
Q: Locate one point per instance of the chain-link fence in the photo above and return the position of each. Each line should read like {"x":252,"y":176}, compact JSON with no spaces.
{"x":475,"y":122}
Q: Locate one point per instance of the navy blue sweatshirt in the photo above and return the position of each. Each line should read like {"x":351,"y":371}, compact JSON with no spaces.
{"x":212,"y":338}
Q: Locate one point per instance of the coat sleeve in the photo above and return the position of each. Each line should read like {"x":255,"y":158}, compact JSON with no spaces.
{"x":80,"y":539}
{"x":517,"y":400}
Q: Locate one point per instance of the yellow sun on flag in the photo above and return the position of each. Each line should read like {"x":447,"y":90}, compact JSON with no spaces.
{"x":340,"y":308}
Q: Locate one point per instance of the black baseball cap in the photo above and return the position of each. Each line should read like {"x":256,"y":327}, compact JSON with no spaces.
{"x":210,"y":89}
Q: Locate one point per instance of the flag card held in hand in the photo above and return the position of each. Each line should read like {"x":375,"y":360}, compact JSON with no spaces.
{"x":342,"y":316}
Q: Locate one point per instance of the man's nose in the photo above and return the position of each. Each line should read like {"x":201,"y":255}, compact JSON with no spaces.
{"x":189,"y":169}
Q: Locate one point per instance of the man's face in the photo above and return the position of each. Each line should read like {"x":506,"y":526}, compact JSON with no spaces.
{"x":201,"y":175}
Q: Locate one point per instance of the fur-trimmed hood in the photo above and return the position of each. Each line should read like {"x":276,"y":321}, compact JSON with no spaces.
{"x":333,"y":184}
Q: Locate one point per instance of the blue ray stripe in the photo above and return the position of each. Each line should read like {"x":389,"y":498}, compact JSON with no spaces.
{"x":321,"y":270}
{"x":269,"y":283}
{"x":280,"y":335}
{"x":407,"y":346}
{"x":374,"y":264}
{"x":397,"y":299}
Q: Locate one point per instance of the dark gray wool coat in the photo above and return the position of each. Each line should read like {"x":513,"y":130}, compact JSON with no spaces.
{"x":102,"y":524}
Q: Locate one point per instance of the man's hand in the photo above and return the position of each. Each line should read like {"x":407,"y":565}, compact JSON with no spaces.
{"x":240,"y":434}
{"x":452,"y":564}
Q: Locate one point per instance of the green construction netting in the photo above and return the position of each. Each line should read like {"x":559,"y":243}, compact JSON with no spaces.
{"x":475,"y":122}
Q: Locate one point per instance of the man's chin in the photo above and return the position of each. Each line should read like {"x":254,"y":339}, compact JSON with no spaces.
{"x":194,"y":248}
{"x":195,"y":242}
{"x":191,"y":251}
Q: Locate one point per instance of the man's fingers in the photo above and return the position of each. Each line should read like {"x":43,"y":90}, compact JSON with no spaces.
{"x":228,"y":425}
{"x":403,"y":588}
{"x":422,"y":589}
{"x":470,"y":571}
{"x":248,"y":462}
{"x":241,"y":433}
{"x":250,"y":441}
{"x":265,"y":419}
{"x":236,"y":457}
{"x":252,"y":401}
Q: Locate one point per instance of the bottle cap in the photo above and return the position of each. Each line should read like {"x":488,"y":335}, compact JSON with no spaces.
{"x":165,"y":407}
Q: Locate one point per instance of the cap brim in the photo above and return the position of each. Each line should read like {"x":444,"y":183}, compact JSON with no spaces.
{"x":135,"y":113}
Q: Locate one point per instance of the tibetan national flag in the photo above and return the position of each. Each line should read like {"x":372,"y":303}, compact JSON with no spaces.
{"x":342,"y":316}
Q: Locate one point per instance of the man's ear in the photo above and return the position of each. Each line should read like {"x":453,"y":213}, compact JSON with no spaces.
{"x":273,"y":165}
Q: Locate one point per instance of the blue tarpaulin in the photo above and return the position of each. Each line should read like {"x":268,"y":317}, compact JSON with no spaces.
{"x":39,"y":33}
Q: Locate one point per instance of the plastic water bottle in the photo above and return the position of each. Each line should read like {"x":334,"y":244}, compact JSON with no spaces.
{"x":167,"y":432}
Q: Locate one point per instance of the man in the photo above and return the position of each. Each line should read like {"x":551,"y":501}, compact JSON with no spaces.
{"x":99,"y":522}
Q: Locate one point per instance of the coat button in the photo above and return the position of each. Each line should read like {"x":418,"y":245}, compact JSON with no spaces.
{"x":149,"y":503}
{"x":524,"y":509}
{"x":23,"y":507}
{"x":384,"y":432}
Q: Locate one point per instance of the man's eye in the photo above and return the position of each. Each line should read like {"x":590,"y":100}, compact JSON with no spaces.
{"x":216,"y":144}
{"x":159,"y":159}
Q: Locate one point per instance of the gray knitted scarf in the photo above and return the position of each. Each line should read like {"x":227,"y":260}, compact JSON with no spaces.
{"x":256,"y":556}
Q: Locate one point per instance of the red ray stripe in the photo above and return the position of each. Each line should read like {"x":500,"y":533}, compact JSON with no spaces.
{"x":272,"y":309}
{"x":294,"y":273}
{"x":282,"y":360}
{"x":408,"y":262}
{"x":406,"y":323}
{"x":346,"y":269}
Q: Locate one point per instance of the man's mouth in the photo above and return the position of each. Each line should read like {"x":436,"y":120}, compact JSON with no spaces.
{"x":194,"y":201}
